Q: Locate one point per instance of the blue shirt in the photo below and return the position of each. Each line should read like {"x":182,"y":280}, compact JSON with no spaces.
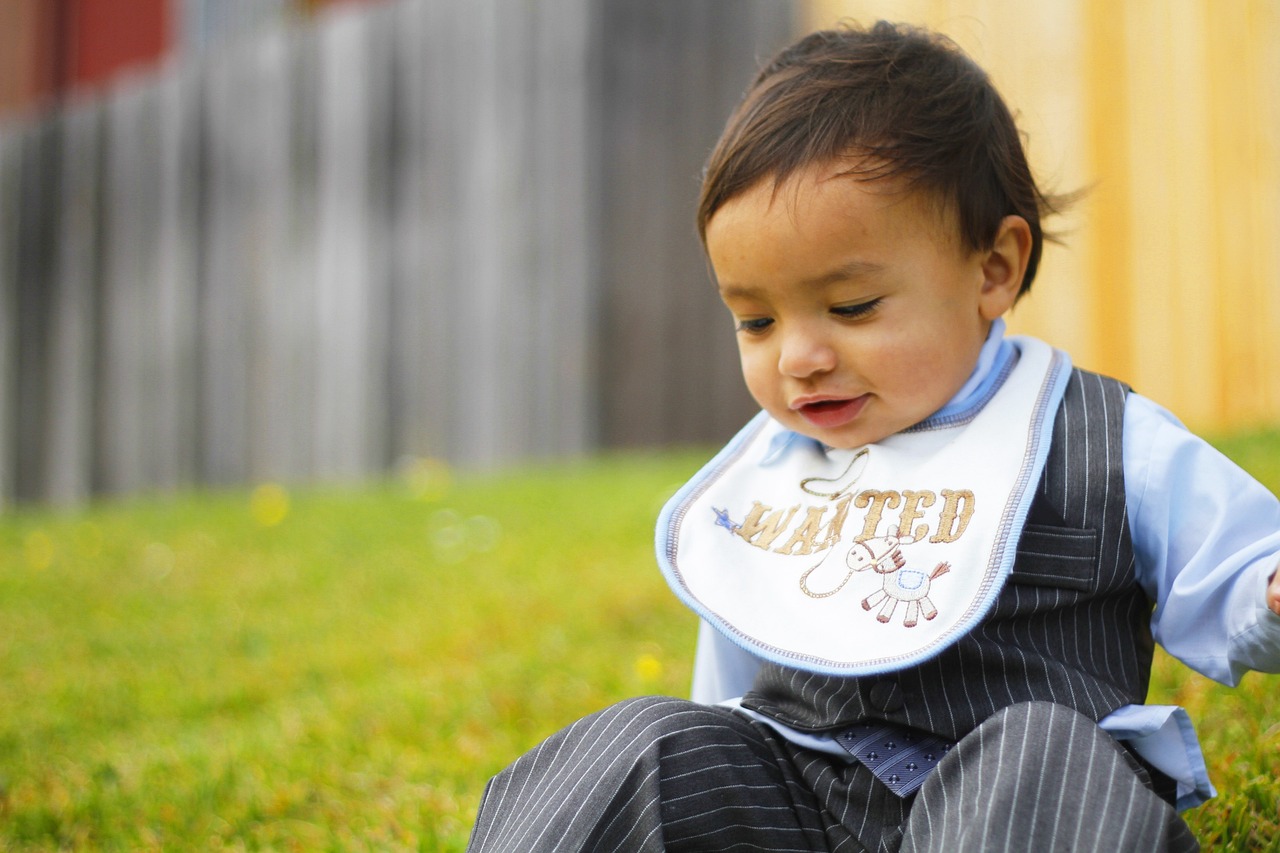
{"x":1206,"y":539}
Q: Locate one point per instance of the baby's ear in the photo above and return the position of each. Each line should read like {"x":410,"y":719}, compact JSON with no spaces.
{"x":1004,"y":267}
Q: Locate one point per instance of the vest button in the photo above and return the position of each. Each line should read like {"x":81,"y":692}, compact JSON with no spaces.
{"x":886,"y":696}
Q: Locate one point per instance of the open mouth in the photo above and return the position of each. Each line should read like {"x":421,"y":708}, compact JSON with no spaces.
{"x":832,"y":413}
{"x":825,"y":405}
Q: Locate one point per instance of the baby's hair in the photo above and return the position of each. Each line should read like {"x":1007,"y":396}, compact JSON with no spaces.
{"x":894,"y":102}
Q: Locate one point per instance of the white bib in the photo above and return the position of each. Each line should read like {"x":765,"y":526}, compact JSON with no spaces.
{"x":855,"y":562}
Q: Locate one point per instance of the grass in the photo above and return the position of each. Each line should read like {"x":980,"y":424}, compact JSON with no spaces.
{"x":344,"y":669}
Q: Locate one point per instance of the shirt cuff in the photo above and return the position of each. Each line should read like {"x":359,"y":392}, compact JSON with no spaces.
{"x":1164,"y":736}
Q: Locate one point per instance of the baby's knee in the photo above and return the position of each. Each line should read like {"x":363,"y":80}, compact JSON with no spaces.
{"x":1020,"y":738}
{"x":1039,"y":716}
{"x":609,"y":739}
{"x":649,"y":706}
{"x":657,"y":718}
{"x":1029,"y":737}
{"x":655,"y":714}
{"x":1032,"y":759}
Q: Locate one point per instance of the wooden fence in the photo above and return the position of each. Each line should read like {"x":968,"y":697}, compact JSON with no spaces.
{"x":431,"y":228}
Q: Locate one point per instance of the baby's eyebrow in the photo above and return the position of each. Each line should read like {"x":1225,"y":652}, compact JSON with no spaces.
{"x":844,"y":272}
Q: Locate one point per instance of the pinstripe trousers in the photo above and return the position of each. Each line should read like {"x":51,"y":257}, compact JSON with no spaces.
{"x":656,"y":774}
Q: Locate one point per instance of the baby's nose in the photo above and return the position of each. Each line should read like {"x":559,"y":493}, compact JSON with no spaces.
{"x":804,"y":355}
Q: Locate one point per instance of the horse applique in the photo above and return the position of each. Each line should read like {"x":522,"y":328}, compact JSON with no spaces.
{"x":883,"y":555}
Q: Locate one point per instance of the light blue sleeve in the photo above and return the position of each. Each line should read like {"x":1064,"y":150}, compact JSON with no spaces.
{"x":1206,"y":538}
{"x":721,"y":670}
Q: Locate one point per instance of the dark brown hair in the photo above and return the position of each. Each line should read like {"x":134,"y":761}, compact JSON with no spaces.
{"x":898,"y":102}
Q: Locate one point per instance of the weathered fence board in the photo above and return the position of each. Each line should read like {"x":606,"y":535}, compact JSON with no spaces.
{"x":346,"y":291}
{"x":176,"y":268}
{"x":262,"y":99}
{"x":73,"y":294}
{"x":430,"y":227}
{"x":423,"y":196}
{"x":130,"y":377}
{"x":10,"y":177}
{"x":236,"y":233}
{"x":36,"y":225}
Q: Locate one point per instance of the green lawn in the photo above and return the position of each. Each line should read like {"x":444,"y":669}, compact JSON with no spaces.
{"x":344,"y":669}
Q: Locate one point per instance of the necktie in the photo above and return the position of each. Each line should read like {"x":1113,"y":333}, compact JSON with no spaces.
{"x":899,"y":757}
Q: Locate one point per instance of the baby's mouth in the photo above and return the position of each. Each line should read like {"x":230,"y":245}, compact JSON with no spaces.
{"x":829,"y":414}
{"x":825,"y":405}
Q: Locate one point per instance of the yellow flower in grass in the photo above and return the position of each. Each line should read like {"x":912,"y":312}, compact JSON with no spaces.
{"x":648,"y":667}
{"x":269,"y":504}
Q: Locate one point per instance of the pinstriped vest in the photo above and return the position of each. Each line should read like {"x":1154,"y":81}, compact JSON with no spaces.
{"x":1071,"y":625}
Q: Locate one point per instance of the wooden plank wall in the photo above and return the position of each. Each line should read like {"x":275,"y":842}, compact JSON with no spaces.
{"x":420,"y":228}
{"x":1168,"y":114}
{"x":671,"y":77}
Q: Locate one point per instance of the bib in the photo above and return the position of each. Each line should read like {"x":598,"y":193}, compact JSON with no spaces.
{"x":856,"y":562}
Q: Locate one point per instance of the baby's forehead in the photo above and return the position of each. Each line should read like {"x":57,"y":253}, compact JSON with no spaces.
{"x":827,"y":182}
{"x":821,"y":228}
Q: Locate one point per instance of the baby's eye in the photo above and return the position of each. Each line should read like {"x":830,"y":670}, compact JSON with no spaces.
{"x":755,"y":325}
{"x":853,"y":312}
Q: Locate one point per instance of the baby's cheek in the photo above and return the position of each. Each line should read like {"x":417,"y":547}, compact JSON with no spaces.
{"x":760,"y":373}
{"x":941,"y":372}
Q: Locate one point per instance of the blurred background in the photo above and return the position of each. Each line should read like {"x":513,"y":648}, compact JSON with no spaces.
{"x":300,"y":240}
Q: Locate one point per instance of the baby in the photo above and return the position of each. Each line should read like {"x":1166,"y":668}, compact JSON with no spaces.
{"x":931,"y":572}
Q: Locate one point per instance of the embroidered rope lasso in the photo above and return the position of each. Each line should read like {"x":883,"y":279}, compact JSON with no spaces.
{"x":838,"y":493}
{"x":861,"y":455}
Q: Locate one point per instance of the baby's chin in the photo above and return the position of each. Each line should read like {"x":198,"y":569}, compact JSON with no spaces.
{"x":834,"y":439}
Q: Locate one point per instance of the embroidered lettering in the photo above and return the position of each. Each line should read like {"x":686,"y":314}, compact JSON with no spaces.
{"x":875,"y":502}
{"x":803,"y":539}
{"x":836,"y":527}
{"x":816,"y":530}
{"x":957,"y":509}
{"x":912,"y":502}
{"x":761,"y":530}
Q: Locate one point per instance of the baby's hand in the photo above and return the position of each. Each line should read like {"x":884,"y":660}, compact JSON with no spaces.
{"x":1273,"y":592}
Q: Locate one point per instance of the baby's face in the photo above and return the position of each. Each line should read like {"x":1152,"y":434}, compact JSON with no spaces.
{"x":858,"y":312}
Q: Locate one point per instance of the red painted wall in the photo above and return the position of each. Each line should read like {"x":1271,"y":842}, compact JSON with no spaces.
{"x":106,"y":37}
{"x":51,"y":47}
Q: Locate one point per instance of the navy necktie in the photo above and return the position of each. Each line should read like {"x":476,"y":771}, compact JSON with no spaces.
{"x":900,"y":757}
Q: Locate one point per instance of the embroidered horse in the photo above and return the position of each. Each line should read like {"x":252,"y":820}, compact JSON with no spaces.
{"x":883,"y":554}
